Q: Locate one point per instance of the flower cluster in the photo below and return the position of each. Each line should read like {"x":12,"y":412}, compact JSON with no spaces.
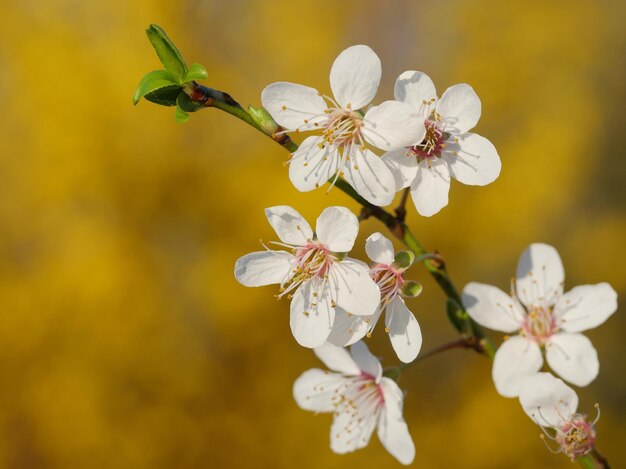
{"x":337,"y":300}
{"x":425,"y":141}
{"x":547,"y":322}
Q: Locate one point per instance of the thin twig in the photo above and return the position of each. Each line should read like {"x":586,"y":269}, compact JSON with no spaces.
{"x":401,"y":208}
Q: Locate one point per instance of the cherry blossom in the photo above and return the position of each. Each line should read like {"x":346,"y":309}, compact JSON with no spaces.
{"x":345,"y":127}
{"x":552,"y":405}
{"x":361,"y":399}
{"x":400,"y":323}
{"x":447,"y":150}
{"x":314,"y":271}
{"x":545,"y":319}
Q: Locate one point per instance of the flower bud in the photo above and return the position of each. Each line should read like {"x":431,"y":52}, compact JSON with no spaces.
{"x":263,"y":118}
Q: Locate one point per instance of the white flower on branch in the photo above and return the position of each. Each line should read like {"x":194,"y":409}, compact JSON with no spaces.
{"x":400,"y":323}
{"x":314,"y":272}
{"x":546,"y":319}
{"x":360,"y":398}
{"x":345,"y":128}
{"x":552,"y":405}
{"x":447,"y":150}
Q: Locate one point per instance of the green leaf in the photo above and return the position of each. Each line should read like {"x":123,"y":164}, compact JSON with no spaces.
{"x":151,"y":82}
{"x":164,"y":96}
{"x":187,"y":104}
{"x":196,"y":72}
{"x":168,"y":53}
{"x":181,"y":116}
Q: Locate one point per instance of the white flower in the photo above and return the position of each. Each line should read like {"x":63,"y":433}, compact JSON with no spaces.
{"x":315,"y":272}
{"x":551,"y":404}
{"x":340,"y":150}
{"x":360,"y":398}
{"x":546,"y":318}
{"x":448,"y":149}
{"x":404,"y":330}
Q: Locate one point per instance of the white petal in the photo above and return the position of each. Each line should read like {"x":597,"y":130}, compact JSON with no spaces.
{"x":349,"y":432}
{"x":337,"y":228}
{"x":403,"y":166}
{"x":337,"y":359}
{"x":473,"y":159}
{"x":289,"y":225}
{"x":350,"y":328}
{"x":429,"y":190}
{"x":263,"y":268}
{"x":491,"y":307}
{"x":540,"y":276}
{"x":311,"y":316}
{"x":416,"y":89}
{"x":585,"y":307}
{"x":370,"y":177}
{"x":459,"y":107}
{"x":404,"y":331}
{"x":379,"y":249}
{"x":516,"y":359}
{"x":354,"y":289}
{"x":573,"y":358}
{"x":393,"y":431}
{"x":547,"y":400}
{"x":393,"y":125}
{"x":315,"y":390}
{"x":311,"y":166}
{"x":291,"y":104}
{"x":366,"y":362}
{"x":355,"y":76}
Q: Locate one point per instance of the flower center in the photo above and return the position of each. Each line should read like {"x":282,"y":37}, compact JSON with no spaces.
{"x":388,"y":279}
{"x":313,"y":260}
{"x":539,"y":324}
{"x":576,"y":436}
{"x":433,"y":144}
{"x":343,"y":127}
{"x":361,"y":399}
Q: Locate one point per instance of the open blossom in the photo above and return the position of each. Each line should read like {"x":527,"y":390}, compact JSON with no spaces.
{"x":551,"y":404}
{"x":345,"y":128}
{"x":545,"y":318}
{"x":360,"y":398}
{"x":400,"y":323}
{"x":314,"y":272}
{"x":447,"y":150}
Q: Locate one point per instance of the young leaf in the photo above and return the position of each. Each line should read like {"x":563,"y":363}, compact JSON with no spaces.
{"x":168,"y":53}
{"x":196,"y":72}
{"x":151,"y":82}
{"x":164,"y":96}
{"x":181,"y":116}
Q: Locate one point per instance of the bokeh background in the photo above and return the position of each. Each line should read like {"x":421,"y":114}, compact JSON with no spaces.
{"x":125,"y":341}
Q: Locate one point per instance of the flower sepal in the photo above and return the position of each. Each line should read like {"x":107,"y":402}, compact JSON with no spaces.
{"x":403,"y":259}
{"x":411,"y":289}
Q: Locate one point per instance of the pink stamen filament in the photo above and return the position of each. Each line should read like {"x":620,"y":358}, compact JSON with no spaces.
{"x":313,"y":260}
{"x":388,"y":279}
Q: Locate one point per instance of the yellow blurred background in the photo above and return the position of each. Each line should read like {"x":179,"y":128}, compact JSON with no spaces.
{"x":125,"y":341}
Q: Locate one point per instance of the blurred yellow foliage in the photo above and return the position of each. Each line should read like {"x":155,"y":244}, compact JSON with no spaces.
{"x":125,"y":341}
